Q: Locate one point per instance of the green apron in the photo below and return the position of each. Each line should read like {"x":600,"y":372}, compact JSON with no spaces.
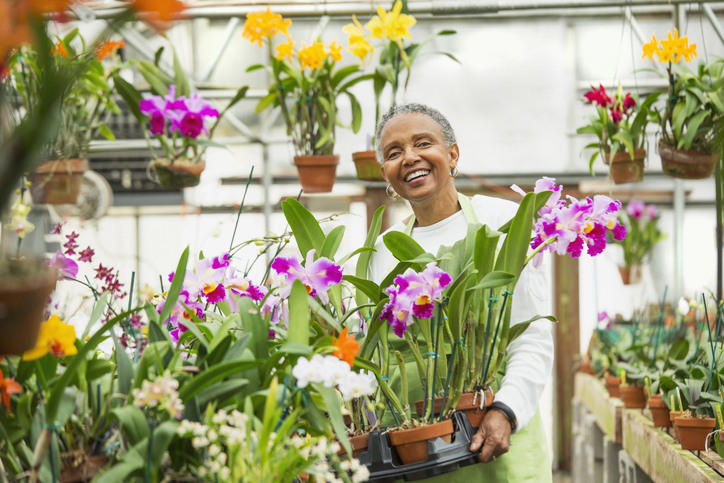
{"x":526,"y":461}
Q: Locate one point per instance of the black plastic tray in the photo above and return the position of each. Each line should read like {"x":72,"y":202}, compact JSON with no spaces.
{"x":385,"y":466}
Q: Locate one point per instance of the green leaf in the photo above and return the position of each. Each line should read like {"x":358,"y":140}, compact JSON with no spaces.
{"x":106,"y":132}
{"x":212,"y":375}
{"x":298,"y":314}
{"x":235,"y":351}
{"x":306,"y":229}
{"x":265,"y":102}
{"x":220,"y":391}
{"x":252,"y":324}
{"x":512,"y":253}
{"x":356,"y":113}
{"x":133,"y":423}
{"x":207,"y":144}
{"x":182,"y":83}
{"x":176,"y":283}
{"x":692,"y":127}
{"x":625,"y":138}
{"x":518,"y":329}
{"x":494,"y":280}
{"x":345,"y":258}
{"x":125,"y":367}
{"x":458,"y":305}
{"x":98,"y":310}
{"x":332,"y":242}
{"x":157,"y":56}
{"x":334,"y":409}
{"x":156,"y":78}
{"x":402,"y":246}
{"x":296,"y":348}
{"x":342,"y":73}
{"x":367,"y":287}
{"x":486,"y":244}
{"x":132,"y":97}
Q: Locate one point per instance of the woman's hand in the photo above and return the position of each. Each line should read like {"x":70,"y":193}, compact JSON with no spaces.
{"x":493,"y":435}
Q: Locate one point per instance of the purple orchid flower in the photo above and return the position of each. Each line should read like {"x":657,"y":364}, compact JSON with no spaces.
{"x":635,"y":209}
{"x":207,"y":281}
{"x":188,"y":118}
{"x":545,"y":184}
{"x":65,"y":266}
{"x":398,"y":312}
{"x":242,"y":287}
{"x":275,"y":307}
{"x":179,"y":314}
{"x":651,"y":212}
{"x":424,"y":288}
{"x":159,"y":109}
{"x":317,"y":275}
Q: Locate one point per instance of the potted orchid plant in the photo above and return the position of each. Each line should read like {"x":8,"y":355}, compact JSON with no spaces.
{"x":391,"y":29}
{"x":643,"y":234}
{"x":177,"y":120}
{"x":306,"y":85}
{"x":620,"y":125}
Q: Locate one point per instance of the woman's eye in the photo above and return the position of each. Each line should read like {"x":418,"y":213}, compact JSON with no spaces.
{"x":423,"y":144}
{"x":393,"y":155}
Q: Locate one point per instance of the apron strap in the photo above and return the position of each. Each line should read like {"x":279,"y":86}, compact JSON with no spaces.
{"x":465,"y":204}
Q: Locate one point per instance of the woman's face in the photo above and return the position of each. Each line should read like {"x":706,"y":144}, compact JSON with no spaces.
{"x":416,"y":162}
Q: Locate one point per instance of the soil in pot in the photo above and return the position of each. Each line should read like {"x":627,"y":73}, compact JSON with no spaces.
{"x":318,"y":173}
{"x":78,"y":468}
{"x":359,"y":445}
{"x":659,"y":411}
{"x":692,"y":432}
{"x":678,"y":163}
{"x":368,"y":169}
{"x":411,"y":444}
{"x":24,"y":289}
{"x":630,"y":275}
{"x":57,"y":182}
{"x":612,"y":384}
{"x":469,"y":404}
{"x":623,"y":169}
{"x":181,"y":174}
{"x":672,"y":418}
{"x":633,"y":397}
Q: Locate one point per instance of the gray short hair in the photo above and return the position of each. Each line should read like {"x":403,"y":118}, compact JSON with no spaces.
{"x":413,"y":108}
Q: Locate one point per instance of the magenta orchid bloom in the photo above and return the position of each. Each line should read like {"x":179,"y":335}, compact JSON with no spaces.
{"x":159,"y":108}
{"x":275,"y":307}
{"x":188,"y":117}
{"x":651,"y":212}
{"x":423,"y":288}
{"x":65,"y":266}
{"x":207,"y":281}
{"x":241,"y":287}
{"x":398,"y":312}
{"x":545,"y":184}
{"x":635,"y":209}
{"x":598,"y":96}
{"x":317,"y":275}
{"x":179,"y":314}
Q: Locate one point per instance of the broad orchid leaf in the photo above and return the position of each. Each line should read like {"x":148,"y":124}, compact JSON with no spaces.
{"x":518,"y":329}
{"x":332,"y":242}
{"x":298,"y":330}
{"x":402,"y":246}
{"x":182,"y":83}
{"x":306,"y":229}
{"x":176,"y":283}
{"x":212,"y":375}
{"x":370,"y":289}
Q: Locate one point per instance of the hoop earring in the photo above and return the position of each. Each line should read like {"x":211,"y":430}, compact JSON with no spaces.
{"x":454,"y":171}
{"x":394,"y":194}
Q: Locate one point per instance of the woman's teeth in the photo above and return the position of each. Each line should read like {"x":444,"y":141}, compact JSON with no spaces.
{"x":416,"y":174}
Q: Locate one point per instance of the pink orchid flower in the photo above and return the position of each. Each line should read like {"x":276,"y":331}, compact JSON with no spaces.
{"x":188,"y":118}
{"x":317,"y":275}
{"x":241,"y":286}
{"x":398,"y":312}
{"x":65,"y":266}
{"x":424,"y":288}
{"x":207,"y":281}
{"x":635,"y":209}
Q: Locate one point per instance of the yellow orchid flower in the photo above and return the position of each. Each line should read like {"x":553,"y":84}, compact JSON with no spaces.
{"x":361,"y":49}
{"x":19,"y":219}
{"x":651,"y":48}
{"x":392,"y":25}
{"x":56,"y":338}
{"x":334,"y":51}
{"x":312,"y":56}
{"x":688,"y":52}
{"x":286,"y":50}
{"x":354,"y":30}
{"x":260,"y":25}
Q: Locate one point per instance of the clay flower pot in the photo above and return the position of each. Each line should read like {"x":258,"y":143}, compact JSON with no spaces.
{"x":411,"y":444}
{"x":630,"y":275}
{"x":180,"y":174}
{"x":692,"y":432}
{"x":57,"y":182}
{"x":678,"y":163}
{"x":672,"y":418}
{"x":586,"y":368}
{"x":469,"y":404}
{"x":317,"y":173}
{"x":659,"y":411}
{"x":23,"y":293}
{"x":612,"y":384}
{"x":359,"y":445}
{"x":79,"y":469}
{"x":368,"y":169}
{"x":633,"y":397}
{"x":626,"y":170}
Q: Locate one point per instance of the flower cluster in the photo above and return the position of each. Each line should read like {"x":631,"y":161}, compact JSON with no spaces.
{"x":19,"y":218}
{"x":212,"y":281}
{"x":331,"y":371}
{"x":55,"y":338}
{"x":567,"y":227}
{"x":160,"y":394}
{"x":668,"y":50}
{"x":637,"y":208}
{"x":392,"y":25}
{"x":620,"y":106}
{"x":108,"y":47}
{"x":261,"y":25}
{"x":171,"y":114}
{"x":316,"y":275}
{"x":414,"y":295}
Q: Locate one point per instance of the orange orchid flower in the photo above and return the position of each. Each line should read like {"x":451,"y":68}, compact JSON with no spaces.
{"x":108,"y":48}
{"x":347,"y":347}
{"x":7,"y":387}
{"x":160,"y":12}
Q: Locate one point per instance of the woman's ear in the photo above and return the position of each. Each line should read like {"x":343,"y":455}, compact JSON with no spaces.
{"x":384,"y":175}
{"x":454,"y":154}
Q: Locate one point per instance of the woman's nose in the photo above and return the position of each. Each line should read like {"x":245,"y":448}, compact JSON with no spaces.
{"x":410,"y":156}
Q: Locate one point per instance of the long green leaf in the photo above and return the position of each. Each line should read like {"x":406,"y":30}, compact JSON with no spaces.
{"x":402,"y":246}
{"x":332,"y":242}
{"x":334,"y":409}
{"x":518,"y":329}
{"x":182,"y":83}
{"x":213,"y":375}
{"x":306,"y":229}
{"x":370,"y":289}
{"x":176,"y":283}
{"x":298,"y":314}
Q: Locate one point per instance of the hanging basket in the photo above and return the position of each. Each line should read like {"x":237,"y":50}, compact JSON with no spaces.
{"x":317,"y":173}
{"x":623,"y":169}
{"x":24,"y":290}
{"x":368,"y":169}
{"x":57,"y":182}
{"x":180,"y":174}
{"x":678,"y":163}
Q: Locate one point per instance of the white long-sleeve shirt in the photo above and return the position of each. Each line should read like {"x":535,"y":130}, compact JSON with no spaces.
{"x":530,"y":357}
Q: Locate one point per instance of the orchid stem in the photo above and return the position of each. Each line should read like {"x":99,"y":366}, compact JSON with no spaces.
{"x":495,"y":336}
{"x":241,"y":207}
{"x":538,"y":249}
{"x":658,"y":328}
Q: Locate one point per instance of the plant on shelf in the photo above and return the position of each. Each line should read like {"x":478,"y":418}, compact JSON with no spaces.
{"x":620,"y":125}
{"x":306,"y":83}
{"x":642,"y":235}
{"x":177,"y":119}
{"x":85,"y":106}
{"x":694,"y":103}
{"x":390,"y":30}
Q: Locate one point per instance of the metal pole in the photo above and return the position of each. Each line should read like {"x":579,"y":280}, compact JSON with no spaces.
{"x":228,"y":33}
{"x":709,"y":12}
{"x":267,"y":183}
{"x":679,"y":197}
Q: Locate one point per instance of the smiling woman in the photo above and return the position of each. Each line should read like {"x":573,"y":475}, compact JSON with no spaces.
{"x":419,"y":155}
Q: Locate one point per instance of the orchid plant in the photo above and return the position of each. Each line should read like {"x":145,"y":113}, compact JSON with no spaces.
{"x":619,"y":123}
{"x":306,"y":83}
{"x":642,"y":230}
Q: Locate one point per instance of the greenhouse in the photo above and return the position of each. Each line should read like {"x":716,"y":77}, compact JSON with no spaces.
{"x":346,"y":241}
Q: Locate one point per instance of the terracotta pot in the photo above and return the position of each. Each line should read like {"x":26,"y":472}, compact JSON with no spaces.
{"x":672,"y":417}
{"x":630,"y":275}
{"x":692,"y":432}
{"x":678,"y":163}
{"x":411,"y":444}
{"x":368,"y":169}
{"x":179,"y":174}
{"x":612,"y":384}
{"x":77,"y":469}
{"x":23,"y":294}
{"x":469,"y":404}
{"x":57,"y":182}
{"x":659,"y":411}
{"x":359,"y":445}
{"x":317,"y":173}
{"x":586,"y":368}
{"x":633,"y":397}
{"x":626,"y":170}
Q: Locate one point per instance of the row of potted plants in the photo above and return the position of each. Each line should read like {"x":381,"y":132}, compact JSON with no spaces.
{"x":694,"y":101}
